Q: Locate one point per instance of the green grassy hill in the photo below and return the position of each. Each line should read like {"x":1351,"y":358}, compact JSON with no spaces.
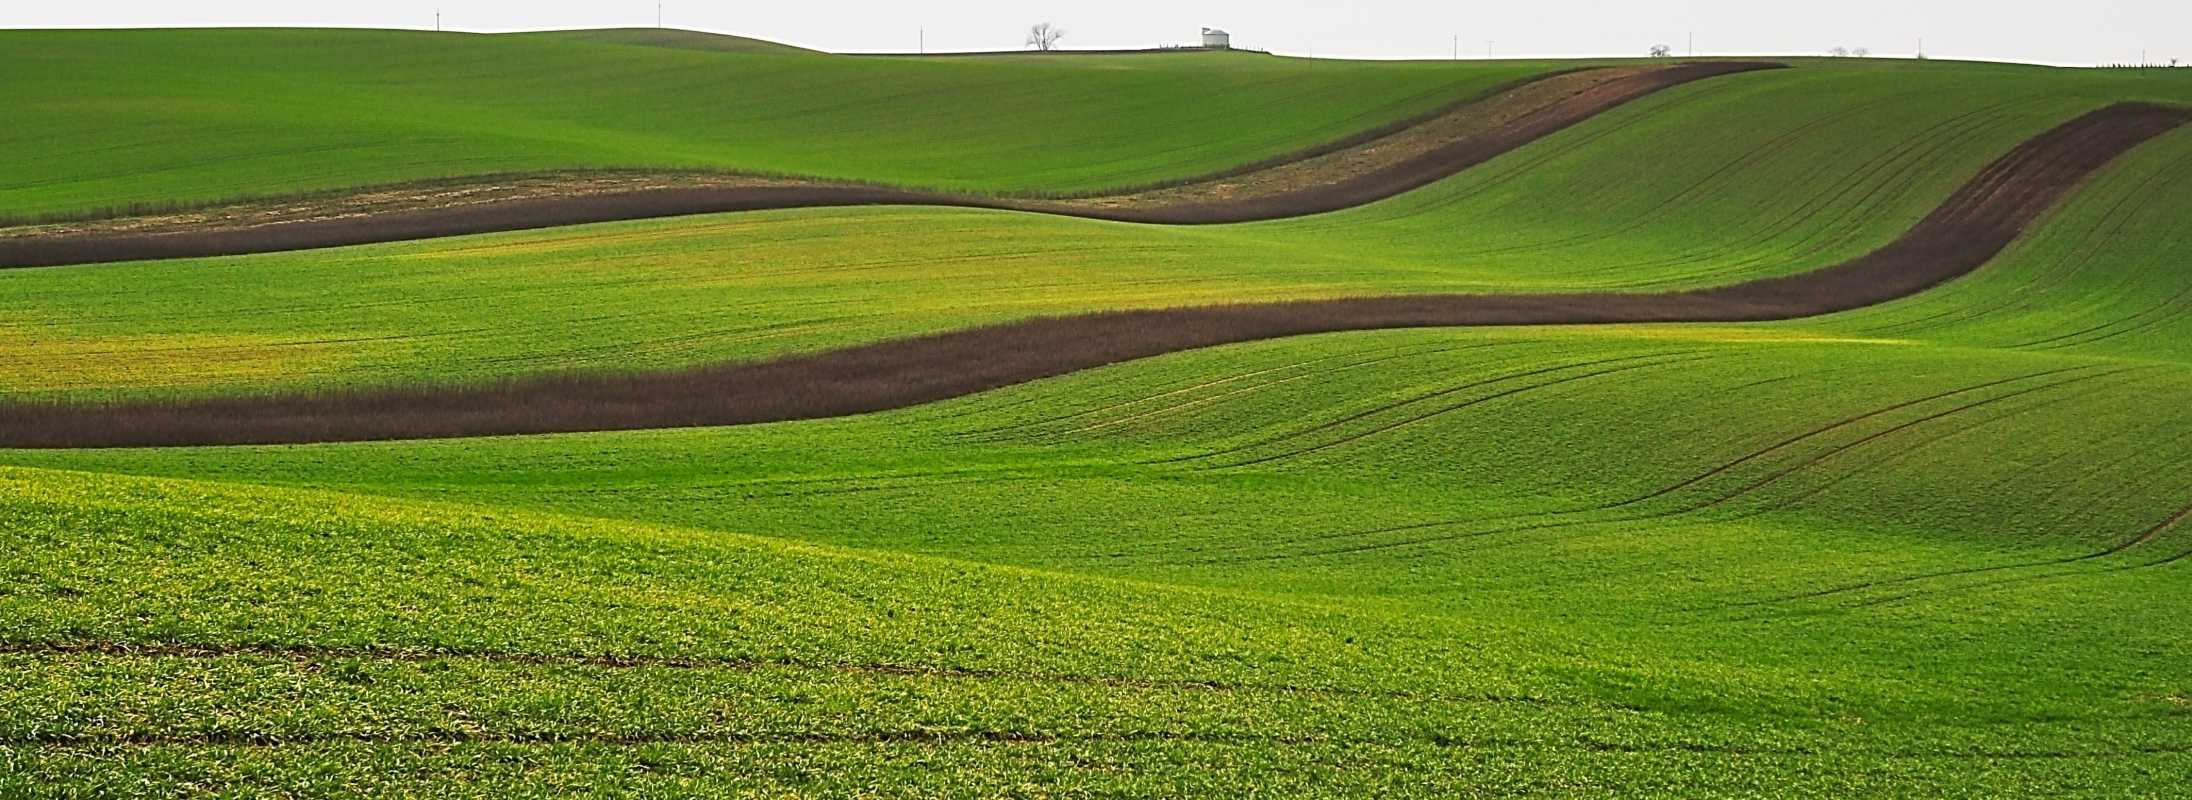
{"x":1475,"y":559}
{"x":670,"y":38}
{"x":101,"y":119}
{"x":1933,"y":547}
{"x":1737,"y":177}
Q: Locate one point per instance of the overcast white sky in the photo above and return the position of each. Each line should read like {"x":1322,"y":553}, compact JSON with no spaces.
{"x":2057,"y":31}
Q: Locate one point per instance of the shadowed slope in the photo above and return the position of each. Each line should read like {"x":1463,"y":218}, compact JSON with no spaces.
{"x":101,"y":122}
{"x":1966,"y":230}
{"x":674,"y":38}
{"x":1354,"y":171}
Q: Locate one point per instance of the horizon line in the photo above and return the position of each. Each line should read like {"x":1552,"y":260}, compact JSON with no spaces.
{"x":1112,"y":48}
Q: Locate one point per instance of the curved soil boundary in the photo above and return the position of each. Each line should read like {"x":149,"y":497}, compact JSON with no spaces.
{"x":1965,"y":231}
{"x":1359,"y":169}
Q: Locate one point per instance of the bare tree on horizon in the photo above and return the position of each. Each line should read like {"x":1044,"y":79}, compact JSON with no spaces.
{"x":1044,"y":36}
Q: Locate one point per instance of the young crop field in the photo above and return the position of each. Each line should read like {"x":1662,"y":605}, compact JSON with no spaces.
{"x":110,"y":122}
{"x":1337,"y":504}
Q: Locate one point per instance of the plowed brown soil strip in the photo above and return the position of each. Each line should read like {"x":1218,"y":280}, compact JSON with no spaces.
{"x":1360,"y":169}
{"x":1969,"y":228}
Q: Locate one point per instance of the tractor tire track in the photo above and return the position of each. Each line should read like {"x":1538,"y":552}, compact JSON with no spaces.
{"x":1754,"y":455}
{"x":1470,"y":403}
{"x":1405,"y":351}
{"x":1205,"y":401}
{"x":2145,"y":537}
{"x":1938,"y":137}
{"x":1403,"y":403}
{"x":1719,"y":501}
{"x":1832,"y":229}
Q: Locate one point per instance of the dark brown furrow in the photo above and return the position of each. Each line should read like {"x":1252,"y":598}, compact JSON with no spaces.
{"x":1426,"y":163}
{"x":1967,"y":230}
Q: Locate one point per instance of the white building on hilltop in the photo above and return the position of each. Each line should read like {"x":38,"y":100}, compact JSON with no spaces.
{"x":1215,"y":39}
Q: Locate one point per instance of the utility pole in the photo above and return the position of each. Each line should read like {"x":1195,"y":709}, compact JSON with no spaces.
{"x":1693,"y":44}
{"x":924,"y":41}
{"x":1487,"y":48}
{"x":437,"y":20}
{"x":1457,"y":47}
{"x":658,"y":14}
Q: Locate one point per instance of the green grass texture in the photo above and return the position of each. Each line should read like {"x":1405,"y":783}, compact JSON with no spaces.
{"x":1932,"y":547}
{"x":111,"y":119}
{"x":1738,"y":177}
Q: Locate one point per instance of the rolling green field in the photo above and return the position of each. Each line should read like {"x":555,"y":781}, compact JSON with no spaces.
{"x":111,"y":121}
{"x":1933,"y":547}
{"x":1801,"y":183}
